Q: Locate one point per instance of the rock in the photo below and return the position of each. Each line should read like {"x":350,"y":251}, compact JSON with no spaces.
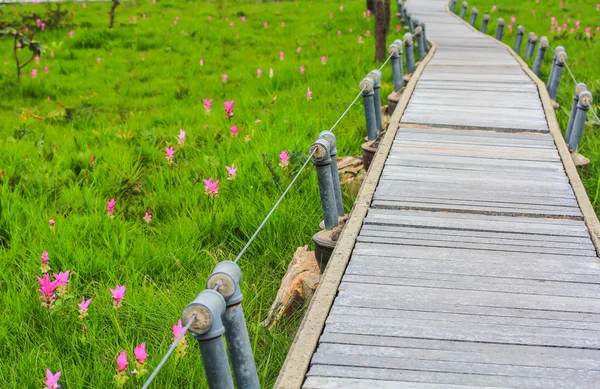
{"x":297,"y":286}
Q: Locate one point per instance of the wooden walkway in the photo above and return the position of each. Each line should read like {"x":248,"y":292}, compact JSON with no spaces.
{"x":474,"y":267}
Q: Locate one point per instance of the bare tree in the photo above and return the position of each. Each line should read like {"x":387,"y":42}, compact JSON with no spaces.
{"x":115,"y":4}
{"x":382,"y":25}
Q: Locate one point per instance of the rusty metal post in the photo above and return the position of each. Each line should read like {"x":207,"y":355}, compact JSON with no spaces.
{"x":420,"y":45}
{"x":581,"y":87}
{"x":531,"y":43}
{"x":409,"y":53}
{"x":395,"y":51}
{"x":561,"y":60}
{"x":474,"y":13}
{"x":500,"y":29}
{"x":320,"y":151}
{"x":484,"y":23}
{"x":558,"y":50}
{"x":335,"y":175}
{"x":539,"y":57}
{"x":519,"y":38}
{"x":585,"y":100}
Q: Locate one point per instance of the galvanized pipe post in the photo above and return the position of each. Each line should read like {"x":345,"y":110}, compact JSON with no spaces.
{"x":408,"y":51}
{"x":208,"y":330}
{"x":395,"y":51}
{"x":425,"y":43}
{"x":420,"y":44}
{"x":410,"y":22}
{"x":558,"y":50}
{"x":581,"y":87}
{"x":474,"y":13}
{"x":484,"y":23}
{"x":500,"y":29}
{"x":453,"y":6}
{"x":376,"y":75}
{"x":321,"y":151}
{"x":531,"y":42}
{"x":226,"y":277}
{"x":539,"y":57}
{"x":559,"y":65}
{"x":463,"y":9}
{"x":335,"y":175}
{"x":367,"y":85}
{"x":400,"y":6}
{"x":404,"y":16}
{"x":585,"y":100}
{"x":519,"y":38}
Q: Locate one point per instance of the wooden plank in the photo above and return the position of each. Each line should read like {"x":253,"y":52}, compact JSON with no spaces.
{"x":355,"y":383}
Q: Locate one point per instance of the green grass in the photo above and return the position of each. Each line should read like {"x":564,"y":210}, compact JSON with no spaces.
{"x":583,"y":59}
{"x":125,"y":111}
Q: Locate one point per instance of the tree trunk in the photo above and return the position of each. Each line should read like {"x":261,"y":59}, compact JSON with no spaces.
{"x":371,"y":6}
{"x":115,"y":3}
{"x":382,"y":23}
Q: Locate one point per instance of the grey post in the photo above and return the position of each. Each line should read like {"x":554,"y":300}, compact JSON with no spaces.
{"x":227,"y":276}
{"x":531,"y":42}
{"x":410,"y":22}
{"x":425,"y":44}
{"x":519,"y":38}
{"x":581,"y":87}
{"x":320,"y":151}
{"x":366,"y":85}
{"x":453,"y":6}
{"x":420,"y":44}
{"x":335,"y":175}
{"x":500,"y":29}
{"x":375,"y":75}
{"x":585,"y":100}
{"x":463,"y":9}
{"x":395,"y":51}
{"x":400,"y":5}
{"x":208,"y":330}
{"x":474,"y":13}
{"x":484,"y":23}
{"x":539,"y":57}
{"x":408,"y":51}
{"x":561,"y":60}
{"x":553,"y":67}
{"x":404,"y":16}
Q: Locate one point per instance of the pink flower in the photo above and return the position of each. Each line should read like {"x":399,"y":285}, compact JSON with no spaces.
{"x":231,"y":172}
{"x":494,"y":8}
{"x":169,"y":153}
{"x":47,"y":289}
{"x":118,"y":295}
{"x":71,"y":33}
{"x":122,"y":362}
{"x":339,"y":32}
{"x":52,"y":54}
{"x":46,"y":69}
{"x":572,"y":30}
{"x":533,"y":11}
{"x":52,"y":380}
{"x":201,"y":61}
{"x":259,"y":73}
{"x":265,"y":24}
{"x":34,"y":73}
{"x":282,"y":24}
{"x":578,"y":24}
{"x":181,"y":137}
{"x":243,"y":19}
{"x":37,"y":59}
{"x":45,"y":258}
{"x":397,"y":27}
{"x":302,"y":68}
{"x":38,"y":21}
{"x":308,"y":95}
{"x":176,"y":20}
{"x":588,"y":31}
{"x":559,"y":30}
{"x":62,"y":278}
{"x":84,"y":304}
{"x":510,"y":27}
{"x":552,"y":28}
{"x":368,"y":12}
{"x":598,"y":7}
{"x":83,"y":4}
{"x":341,"y":7}
{"x":271,"y":72}
{"x":231,"y":24}
{"x":177,"y":329}
{"x":110,"y":207}
{"x":234,"y":131}
{"x":224,"y":77}
{"x":211,"y":187}
{"x":51,"y":223}
{"x":552,"y":20}
{"x":368,"y":33}
{"x":99,"y":60}
{"x":360,"y":40}
{"x":92,"y":160}
{"x":330,"y":15}
{"x":561,"y":4}
{"x":143,"y":16}
{"x":148,"y":216}
{"x":513,"y":19}
{"x":143,"y":57}
{"x":284,"y":159}
{"x":43,"y":25}
{"x":228,"y":108}
{"x":299,"y":49}
{"x":323,"y":60}
{"x":281,"y":55}
{"x":207,"y":104}
{"x":140,"y":353}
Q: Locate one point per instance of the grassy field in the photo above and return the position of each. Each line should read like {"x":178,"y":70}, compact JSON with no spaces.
{"x":574,"y":24}
{"x":122,"y":96}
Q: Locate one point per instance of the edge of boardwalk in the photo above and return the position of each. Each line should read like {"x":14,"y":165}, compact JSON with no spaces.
{"x":589,"y":215}
{"x":297,"y":362}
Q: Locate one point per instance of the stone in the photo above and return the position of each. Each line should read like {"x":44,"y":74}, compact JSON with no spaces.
{"x":297,"y":286}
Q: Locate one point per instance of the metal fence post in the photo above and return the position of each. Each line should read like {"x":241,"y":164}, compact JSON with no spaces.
{"x":376,"y":75}
{"x":539,"y":57}
{"x":519,"y":38}
{"x":227,"y":276}
{"x":561,"y":59}
{"x":395,"y":52}
{"x":366,"y":85}
{"x":425,"y":44}
{"x":463,"y":9}
{"x":474,"y":13}
{"x":400,"y":6}
{"x":404,"y":16}
{"x":208,"y":330}
{"x":585,"y":100}
{"x":420,"y":46}
{"x":500,"y":29}
{"x":581,"y":87}
{"x":531,"y":42}
{"x":322,"y":160}
{"x":335,"y":175}
{"x":410,"y":22}
{"x":408,"y":51}
{"x":484,"y":23}
{"x":453,"y":6}
{"x":559,"y":49}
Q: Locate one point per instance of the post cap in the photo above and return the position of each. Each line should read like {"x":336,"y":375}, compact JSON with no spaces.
{"x":486,"y":17}
{"x":585,"y":99}
{"x":407,"y":39}
{"x":418,"y":31}
{"x":330,"y":137}
{"x":580,"y":87}
{"x":474,"y":10}
{"x":561,"y":57}
{"x":500,"y":22}
{"x":465,"y":4}
{"x":208,"y":307}
{"x":531,"y":33}
{"x":375,"y":75}
{"x":393,"y":50}
{"x":320,"y":151}
{"x":227,"y":276}
{"x":559,"y":49}
{"x":544,"y":42}
{"x":533,"y":38}
{"x":409,"y":15}
{"x":366,"y":85}
{"x":415,"y":21}
{"x":398,"y":43}
{"x":521,"y":30}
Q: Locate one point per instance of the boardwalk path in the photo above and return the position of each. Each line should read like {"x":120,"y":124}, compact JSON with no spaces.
{"x":473,"y":267}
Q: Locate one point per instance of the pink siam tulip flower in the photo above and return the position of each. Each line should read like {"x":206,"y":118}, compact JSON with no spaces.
{"x":52,"y":380}
{"x":561,"y":4}
{"x":265,"y":24}
{"x":282,"y":24}
{"x":513,"y":19}
{"x":52,"y":54}
{"x":110,"y":207}
{"x":181,"y":137}
{"x":201,"y":61}
{"x":51,"y":224}
{"x":224,"y":77}
{"x":308,"y":94}
{"x":339,"y":32}
{"x":177,"y":329}
{"x":364,"y":14}
{"x":341,"y":7}
{"x":92,"y":160}
{"x":598,"y":7}
{"x":565,"y":26}
{"x":271,"y":72}
{"x":140,"y":353}
{"x":552,"y":20}
{"x":36,"y":59}
{"x":135,"y":19}
{"x":284,"y":159}
{"x":577,"y":24}
{"x":148,"y":216}
{"x":281,"y":55}
{"x":302,"y":69}
{"x":494,"y":8}
{"x":368,"y":33}
{"x":510,"y":28}
{"x":323,"y":60}
{"x":588,"y":32}
{"x":368,"y":12}
{"x":34,"y":73}
{"x":234,"y":131}
{"x":176,"y":20}
{"x":46,"y":69}
{"x":360,"y":39}
{"x":71,"y":33}
{"x":231,"y":24}
{"x":83,"y":308}
{"x":83,"y":4}
{"x":47,"y":289}
{"x":180,"y":350}
{"x":143,"y":57}
{"x":559,"y":30}
{"x":207,"y":104}
{"x":259,"y":73}
{"x":330,"y":15}
{"x":572,"y":30}
{"x":397,"y":28}
{"x":99,"y":60}
{"x":231,"y":171}
{"x":533,"y":11}
{"x":45,"y":259}
{"x":169,"y":153}
{"x":211,"y":187}
{"x":143,"y":16}
{"x":118,"y":295}
{"x":43,"y":25}
{"x":63,"y":280}
{"x":121,"y":376}
{"x":552,"y":28}
{"x":243,"y":19}
{"x":229,"y":108}
{"x":299,"y":49}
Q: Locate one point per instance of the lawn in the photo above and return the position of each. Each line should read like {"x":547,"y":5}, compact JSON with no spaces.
{"x":574,"y":24}
{"x":90,"y":121}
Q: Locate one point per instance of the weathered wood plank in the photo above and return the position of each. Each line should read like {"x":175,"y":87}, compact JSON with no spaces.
{"x":355,"y":383}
